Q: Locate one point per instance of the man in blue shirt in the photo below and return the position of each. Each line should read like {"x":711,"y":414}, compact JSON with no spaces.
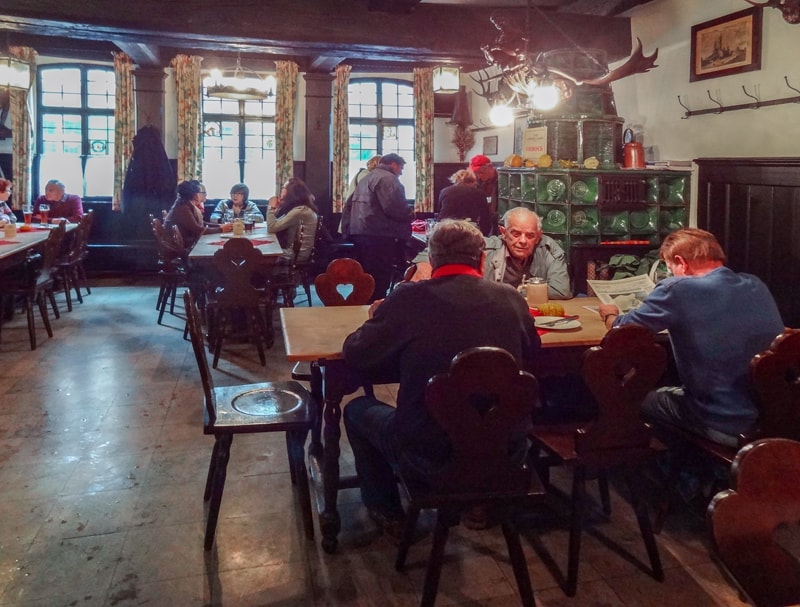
{"x":717,"y":321}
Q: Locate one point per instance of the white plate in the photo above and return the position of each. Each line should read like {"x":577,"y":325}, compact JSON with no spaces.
{"x":540,"y":321}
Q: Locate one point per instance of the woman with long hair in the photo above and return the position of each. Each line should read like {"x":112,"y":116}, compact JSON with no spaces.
{"x":285,"y":215}
{"x":184,"y":214}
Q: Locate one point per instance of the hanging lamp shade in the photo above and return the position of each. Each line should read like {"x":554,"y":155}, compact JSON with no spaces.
{"x":446,"y":79}
{"x":240,"y":83}
{"x":14,"y":73}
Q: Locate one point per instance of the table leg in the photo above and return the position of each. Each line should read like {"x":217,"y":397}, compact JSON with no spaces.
{"x":328,"y":379}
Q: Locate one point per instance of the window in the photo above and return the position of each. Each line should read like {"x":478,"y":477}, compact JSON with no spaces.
{"x":382,"y":121}
{"x":75,"y":130}
{"x":239,"y":146}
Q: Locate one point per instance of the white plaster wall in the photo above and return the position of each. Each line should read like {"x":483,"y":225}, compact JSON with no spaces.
{"x":650,"y":99}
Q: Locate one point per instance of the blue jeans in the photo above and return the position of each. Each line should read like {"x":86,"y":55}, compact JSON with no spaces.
{"x":672,"y":406}
{"x":369,"y":425}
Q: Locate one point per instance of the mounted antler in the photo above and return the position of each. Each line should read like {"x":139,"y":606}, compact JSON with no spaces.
{"x":489,"y":91}
{"x":790,"y":9}
{"x":637,"y":63}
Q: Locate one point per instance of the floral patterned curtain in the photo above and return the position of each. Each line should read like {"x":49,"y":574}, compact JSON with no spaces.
{"x":124,"y":123}
{"x":21,"y":125}
{"x":188,"y":86}
{"x":423,"y":138}
{"x":285,"y":101}
{"x":341,"y":137}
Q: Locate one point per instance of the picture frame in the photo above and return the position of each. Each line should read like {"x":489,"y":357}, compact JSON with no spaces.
{"x":490,"y":146}
{"x":727,"y":45}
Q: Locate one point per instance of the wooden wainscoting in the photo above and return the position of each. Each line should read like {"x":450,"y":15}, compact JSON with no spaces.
{"x":752,"y":205}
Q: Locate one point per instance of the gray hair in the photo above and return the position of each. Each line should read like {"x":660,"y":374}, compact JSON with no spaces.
{"x":516,"y":212}
{"x":56,"y":183}
{"x":455,"y":241}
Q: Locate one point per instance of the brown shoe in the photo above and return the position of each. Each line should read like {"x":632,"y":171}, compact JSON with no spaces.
{"x":392,"y":527}
{"x":476,"y":518}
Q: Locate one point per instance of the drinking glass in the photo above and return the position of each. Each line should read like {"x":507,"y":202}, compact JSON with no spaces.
{"x":27,"y":212}
{"x":44,"y":212}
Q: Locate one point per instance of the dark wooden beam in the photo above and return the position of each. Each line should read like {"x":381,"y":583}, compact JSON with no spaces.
{"x":145,"y":55}
{"x":430,"y":33}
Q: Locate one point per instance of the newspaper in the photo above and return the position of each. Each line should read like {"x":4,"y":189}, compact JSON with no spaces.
{"x":625,"y":293}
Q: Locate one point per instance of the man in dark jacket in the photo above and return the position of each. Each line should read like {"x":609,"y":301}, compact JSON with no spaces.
{"x":377,"y":219}
{"x":412,"y":335}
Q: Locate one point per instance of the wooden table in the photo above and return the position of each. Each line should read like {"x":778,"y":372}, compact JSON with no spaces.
{"x":317,"y":334}
{"x":205,"y":247}
{"x":12,"y":254}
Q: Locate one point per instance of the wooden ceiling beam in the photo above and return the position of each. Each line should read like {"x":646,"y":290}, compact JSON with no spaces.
{"x":309,"y":30}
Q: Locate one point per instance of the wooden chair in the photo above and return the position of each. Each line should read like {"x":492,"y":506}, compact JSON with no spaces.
{"x":619,"y":373}
{"x":765,"y":495}
{"x":264,"y":407}
{"x":171,"y":267}
{"x":482,"y":402}
{"x":238,"y":265}
{"x":33,"y":282}
{"x":70,"y":264}
{"x":342,"y":273}
{"x":285,"y":283}
{"x":774,"y":376}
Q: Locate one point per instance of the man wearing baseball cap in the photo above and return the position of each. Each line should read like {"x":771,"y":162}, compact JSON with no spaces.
{"x":377,"y":219}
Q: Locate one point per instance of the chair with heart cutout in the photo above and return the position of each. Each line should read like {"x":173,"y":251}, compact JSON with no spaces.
{"x":344,"y":283}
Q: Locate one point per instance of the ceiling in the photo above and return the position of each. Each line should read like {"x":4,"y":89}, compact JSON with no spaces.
{"x":368,"y":34}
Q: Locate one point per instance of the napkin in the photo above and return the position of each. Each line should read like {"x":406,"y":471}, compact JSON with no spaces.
{"x":9,"y":241}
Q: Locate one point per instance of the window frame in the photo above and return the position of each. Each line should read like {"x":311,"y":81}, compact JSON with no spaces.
{"x":381,"y":122}
{"x":84,"y":111}
{"x":241,"y":119}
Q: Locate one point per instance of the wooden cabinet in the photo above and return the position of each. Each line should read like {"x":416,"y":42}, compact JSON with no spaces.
{"x":593,"y":206}
{"x":752,"y":206}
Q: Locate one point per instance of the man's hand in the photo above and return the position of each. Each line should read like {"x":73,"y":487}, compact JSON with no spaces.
{"x":374,"y":306}
{"x":423,"y":272}
{"x":608,"y":312}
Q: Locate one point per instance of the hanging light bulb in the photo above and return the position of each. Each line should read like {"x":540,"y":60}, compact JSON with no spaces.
{"x":545,"y":96}
{"x":501,"y":114}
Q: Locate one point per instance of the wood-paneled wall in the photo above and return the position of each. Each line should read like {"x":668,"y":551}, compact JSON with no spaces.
{"x":752,"y":206}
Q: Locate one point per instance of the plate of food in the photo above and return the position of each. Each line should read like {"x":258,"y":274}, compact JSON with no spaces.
{"x":556,"y":323}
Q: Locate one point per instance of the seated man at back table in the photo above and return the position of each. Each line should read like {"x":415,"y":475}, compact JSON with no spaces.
{"x":68,"y":206}
{"x":521,"y":251}
{"x":717,"y":321}
{"x":412,"y":335}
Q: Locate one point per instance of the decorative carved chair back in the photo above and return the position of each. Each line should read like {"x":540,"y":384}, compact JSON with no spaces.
{"x":746,"y":521}
{"x":775,"y":375}
{"x":237,"y":264}
{"x":484,"y":402}
{"x":340,"y":273}
{"x":619,"y":373}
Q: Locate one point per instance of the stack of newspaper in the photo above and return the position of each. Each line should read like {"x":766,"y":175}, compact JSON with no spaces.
{"x":625,"y":293}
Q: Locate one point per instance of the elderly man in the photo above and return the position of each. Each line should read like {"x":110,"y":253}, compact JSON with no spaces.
{"x":68,"y":206}
{"x":717,"y":321}
{"x":412,"y":335}
{"x":377,"y":219}
{"x":520,"y":251}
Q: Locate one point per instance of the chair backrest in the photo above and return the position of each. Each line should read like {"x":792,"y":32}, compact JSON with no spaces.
{"x":51,"y":250}
{"x":237,"y":264}
{"x":620,"y":372}
{"x":765,"y":495}
{"x":340,"y":273}
{"x":196,"y":335}
{"x":484,"y":403}
{"x":775,"y":375}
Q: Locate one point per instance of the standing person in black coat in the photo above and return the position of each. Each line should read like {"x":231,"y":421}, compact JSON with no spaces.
{"x":463,"y":200}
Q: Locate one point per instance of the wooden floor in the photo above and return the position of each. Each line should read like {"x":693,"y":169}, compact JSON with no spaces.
{"x":103,"y":462}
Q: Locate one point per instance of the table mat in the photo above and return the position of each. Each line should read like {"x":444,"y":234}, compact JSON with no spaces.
{"x":9,"y":242}
{"x":257,"y":242}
